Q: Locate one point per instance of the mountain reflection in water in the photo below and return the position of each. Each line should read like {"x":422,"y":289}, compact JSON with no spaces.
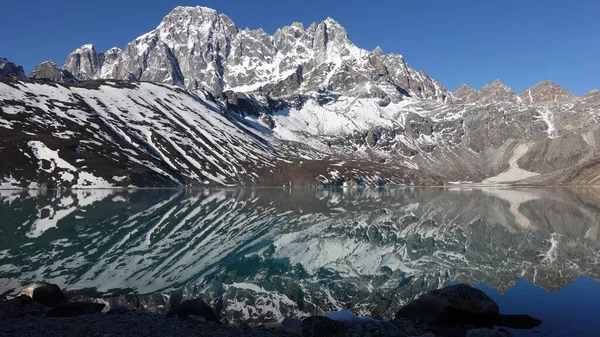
{"x":269,"y":253}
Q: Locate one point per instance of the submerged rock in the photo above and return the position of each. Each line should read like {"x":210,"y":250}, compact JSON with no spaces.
{"x":117,"y":310}
{"x":517,"y":321}
{"x":292,"y":325}
{"x":320,"y":326}
{"x":75,"y":309}
{"x":195,"y":307}
{"x":486,"y":333}
{"x":462,"y":305}
{"x":450,"y":302}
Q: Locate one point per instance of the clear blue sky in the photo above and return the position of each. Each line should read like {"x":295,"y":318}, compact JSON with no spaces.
{"x":473,"y":42}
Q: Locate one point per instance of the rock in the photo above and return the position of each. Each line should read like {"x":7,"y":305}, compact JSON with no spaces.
{"x":196,"y":319}
{"x":75,"y":309}
{"x":410,"y":330}
{"x":49,"y":71}
{"x":194,"y":307}
{"x":320,"y":326}
{"x":546,"y":92}
{"x":497,"y":92}
{"x":517,"y":321}
{"x":448,"y":304}
{"x":9,"y":69}
{"x":292,"y":325}
{"x":22,"y":305}
{"x":117,"y":310}
{"x":192,"y":42}
{"x":486,"y":333}
{"x":45,"y":293}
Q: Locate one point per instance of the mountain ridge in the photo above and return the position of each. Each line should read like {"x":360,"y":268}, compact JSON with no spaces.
{"x":308,"y":94}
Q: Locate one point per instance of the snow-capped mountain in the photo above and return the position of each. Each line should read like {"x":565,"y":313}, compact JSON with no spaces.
{"x":196,"y":47}
{"x":302,"y":102}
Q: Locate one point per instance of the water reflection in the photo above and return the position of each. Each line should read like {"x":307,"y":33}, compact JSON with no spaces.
{"x":267,"y":253}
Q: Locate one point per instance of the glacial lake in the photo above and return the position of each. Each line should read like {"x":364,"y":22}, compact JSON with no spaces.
{"x":264,"y":254}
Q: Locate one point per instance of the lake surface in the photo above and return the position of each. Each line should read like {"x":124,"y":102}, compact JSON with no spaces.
{"x":263,"y":254}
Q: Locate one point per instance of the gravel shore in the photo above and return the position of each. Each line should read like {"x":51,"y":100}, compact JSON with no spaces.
{"x":41,"y":310}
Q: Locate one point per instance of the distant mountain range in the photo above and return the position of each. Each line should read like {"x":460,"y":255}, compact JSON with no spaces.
{"x":199,"y":101}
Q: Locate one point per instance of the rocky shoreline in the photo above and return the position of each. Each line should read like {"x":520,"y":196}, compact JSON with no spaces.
{"x":459,"y":310}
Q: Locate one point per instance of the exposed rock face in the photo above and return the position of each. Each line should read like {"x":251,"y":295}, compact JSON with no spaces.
{"x":497,"y":92}
{"x":465,"y":94}
{"x":320,"y":326}
{"x":196,"y":47}
{"x":546,"y":92}
{"x":84,"y":63}
{"x":9,"y":69}
{"x":49,"y":71}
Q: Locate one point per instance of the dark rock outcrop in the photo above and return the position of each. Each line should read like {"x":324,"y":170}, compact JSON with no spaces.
{"x":9,"y":69}
{"x":196,"y":307}
{"x":44,"y":293}
{"x":49,"y":71}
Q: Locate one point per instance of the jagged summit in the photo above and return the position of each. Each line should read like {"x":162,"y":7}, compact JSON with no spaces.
{"x":11,"y":70}
{"x":463,"y":89}
{"x":49,"y":71}
{"x":199,"y":48}
{"x":546,"y":91}
{"x":378,"y":51}
{"x":466,"y":94}
{"x":497,"y":92}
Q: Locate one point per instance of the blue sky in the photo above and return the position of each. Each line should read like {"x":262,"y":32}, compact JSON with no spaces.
{"x":473,"y":42}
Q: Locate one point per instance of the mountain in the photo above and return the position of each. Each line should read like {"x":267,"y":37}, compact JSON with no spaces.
{"x":304,"y":102}
{"x":196,"y":47}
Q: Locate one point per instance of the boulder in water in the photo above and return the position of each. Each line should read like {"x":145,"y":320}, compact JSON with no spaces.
{"x":44,"y":293}
{"x":454,"y":301}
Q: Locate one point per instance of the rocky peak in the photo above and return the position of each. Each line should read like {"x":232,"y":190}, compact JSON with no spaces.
{"x":592,"y":93}
{"x":497,"y":92}
{"x":83,"y":63}
{"x":196,"y":20}
{"x":49,"y":71}
{"x":591,"y":99}
{"x":546,"y":92}
{"x":377,"y":51}
{"x":465,"y":94}
{"x":463,"y":90}
{"x":9,"y":69}
{"x":199,"y":48}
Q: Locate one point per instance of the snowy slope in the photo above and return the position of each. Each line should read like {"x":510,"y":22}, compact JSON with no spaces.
{"x":146,"y":134}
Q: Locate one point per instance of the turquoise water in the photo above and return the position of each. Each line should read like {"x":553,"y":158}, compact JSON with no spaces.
{"x":264,"y":254}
